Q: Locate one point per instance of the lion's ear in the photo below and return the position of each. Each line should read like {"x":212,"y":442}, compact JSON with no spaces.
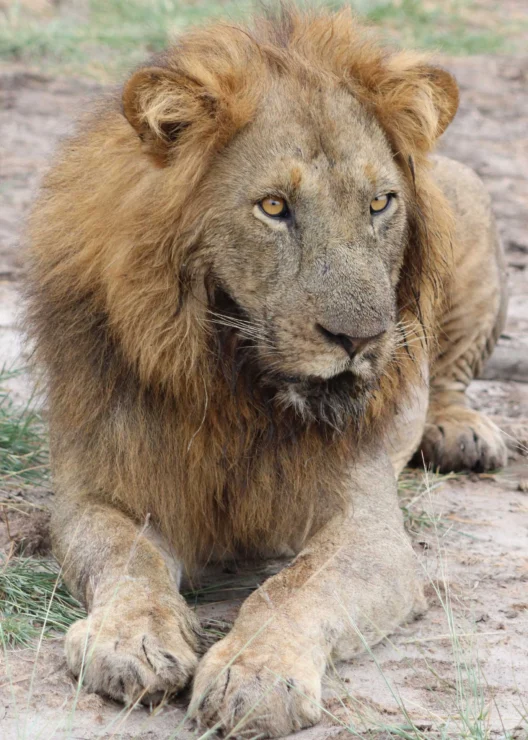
{"x":444,"y":91}
{"x":416,"y":102}
{"x":162,"y":104}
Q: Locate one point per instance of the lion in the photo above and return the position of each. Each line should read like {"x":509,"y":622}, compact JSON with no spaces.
{"x":256,"y":294}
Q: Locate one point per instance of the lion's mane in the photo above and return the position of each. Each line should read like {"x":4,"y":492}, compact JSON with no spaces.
{"x":147,"y":407}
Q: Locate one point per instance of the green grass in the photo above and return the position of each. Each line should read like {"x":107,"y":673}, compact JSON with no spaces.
{"x":23,"y":445}
{"x":112,"y":36}
{"x":441,"y":26}
{"x":34,"y":598}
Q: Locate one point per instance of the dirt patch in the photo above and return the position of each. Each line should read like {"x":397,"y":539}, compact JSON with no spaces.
{"x":476,"y":557}
{"x":24,"y":532}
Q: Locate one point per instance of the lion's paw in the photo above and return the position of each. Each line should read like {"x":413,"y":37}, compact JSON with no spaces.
{"x":253,"y":692}
{"x":458,"y":438}
{"x":129,"y":659}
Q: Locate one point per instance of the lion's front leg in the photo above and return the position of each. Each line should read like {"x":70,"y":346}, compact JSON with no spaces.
{"x":353,"y":583}
{"x":140,"y":638}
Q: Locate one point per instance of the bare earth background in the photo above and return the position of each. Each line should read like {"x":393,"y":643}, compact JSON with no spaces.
{"x":478,"y":546}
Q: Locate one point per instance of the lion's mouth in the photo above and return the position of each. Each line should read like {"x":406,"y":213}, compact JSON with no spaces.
{"x":335,"y":401}
{"x":306,"y":382}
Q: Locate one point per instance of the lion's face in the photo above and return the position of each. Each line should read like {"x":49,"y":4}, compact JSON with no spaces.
{"x":305,"y":233}
{"x":290,"y":168}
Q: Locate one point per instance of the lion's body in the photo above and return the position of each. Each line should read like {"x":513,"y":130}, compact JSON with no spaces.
{"x":158,"y":412}
{"x":468,"y":331}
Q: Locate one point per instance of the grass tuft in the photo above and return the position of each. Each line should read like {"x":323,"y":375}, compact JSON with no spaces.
{"x":33,"y":598}
{"x":414,"y":489}
{"x":23,"y":447}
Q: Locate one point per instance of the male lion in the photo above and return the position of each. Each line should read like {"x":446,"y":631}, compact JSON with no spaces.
{"x":248,"y":280}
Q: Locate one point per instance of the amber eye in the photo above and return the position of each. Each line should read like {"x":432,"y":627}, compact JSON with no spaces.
{"x":380,"y":203}
{"x":274,"y":206}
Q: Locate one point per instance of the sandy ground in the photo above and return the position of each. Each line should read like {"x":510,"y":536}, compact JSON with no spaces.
{"x":479,"y":550}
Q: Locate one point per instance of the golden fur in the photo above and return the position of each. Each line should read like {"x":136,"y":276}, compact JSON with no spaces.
{"x":248,"y":384}
{"x":141,"y":413}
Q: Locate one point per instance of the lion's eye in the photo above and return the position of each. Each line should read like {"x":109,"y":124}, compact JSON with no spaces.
{"x":275,"y":207}
{"x":380,"y":203}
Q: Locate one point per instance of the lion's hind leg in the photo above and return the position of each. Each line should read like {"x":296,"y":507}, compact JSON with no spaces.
{"x":457,"y":437}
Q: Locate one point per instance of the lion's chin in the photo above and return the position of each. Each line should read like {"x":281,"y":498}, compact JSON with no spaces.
{"x":338,"y":402}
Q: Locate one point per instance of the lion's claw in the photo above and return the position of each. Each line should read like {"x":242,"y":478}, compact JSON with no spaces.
{"x":130,"y":660}
{"x":458,"y":438}
{"x":254,"y":692}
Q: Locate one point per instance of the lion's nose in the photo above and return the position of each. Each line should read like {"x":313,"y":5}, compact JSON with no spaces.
{"x":351,"y":345}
